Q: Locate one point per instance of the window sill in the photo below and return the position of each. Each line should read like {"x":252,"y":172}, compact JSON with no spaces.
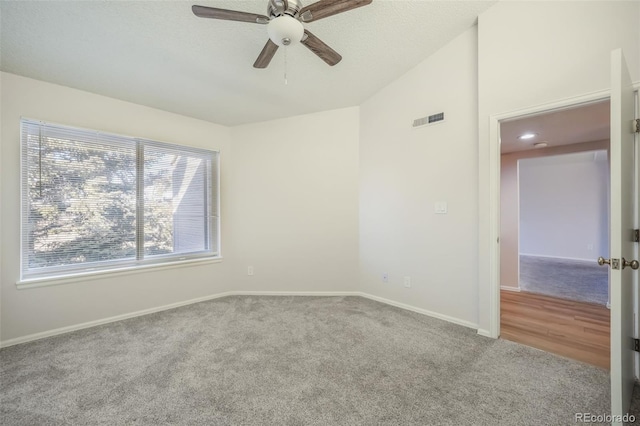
{"x":95,"y":275}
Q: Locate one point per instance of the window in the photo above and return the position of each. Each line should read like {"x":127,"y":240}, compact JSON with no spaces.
{"x":94,"y":201}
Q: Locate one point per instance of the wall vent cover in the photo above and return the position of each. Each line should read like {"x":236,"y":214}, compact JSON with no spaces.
{"x":431,"y":119}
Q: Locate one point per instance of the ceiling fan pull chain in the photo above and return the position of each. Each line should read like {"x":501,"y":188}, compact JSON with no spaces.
{"x":285,"y":66}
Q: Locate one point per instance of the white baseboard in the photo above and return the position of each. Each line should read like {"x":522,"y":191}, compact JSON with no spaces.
{"x":296,"y":293}
{"x":509,"y":288}
{"x":420,"y":310}
{"x":89,"y":324}
{"x":576,"y":259}
{"x":485,"y":333}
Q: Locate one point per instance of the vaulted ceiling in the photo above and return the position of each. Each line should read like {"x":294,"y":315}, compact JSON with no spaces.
{"x":157,"y":53}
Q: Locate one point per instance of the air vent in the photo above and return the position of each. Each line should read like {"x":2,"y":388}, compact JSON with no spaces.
{"x":431,"y":119}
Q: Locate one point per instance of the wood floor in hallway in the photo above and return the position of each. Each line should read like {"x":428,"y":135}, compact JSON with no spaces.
{"x":575,"y":330}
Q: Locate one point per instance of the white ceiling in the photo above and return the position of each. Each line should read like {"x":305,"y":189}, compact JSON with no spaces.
{"x":157,"y":53}
{"x":586,"y":123}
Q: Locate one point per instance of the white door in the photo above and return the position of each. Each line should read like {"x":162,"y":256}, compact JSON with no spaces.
{"x":623,"y":195}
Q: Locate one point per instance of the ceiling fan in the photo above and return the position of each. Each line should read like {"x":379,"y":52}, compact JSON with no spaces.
{"x":284,"y":24}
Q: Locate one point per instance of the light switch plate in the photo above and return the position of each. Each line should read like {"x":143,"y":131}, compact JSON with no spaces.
{"x":440,"y":207}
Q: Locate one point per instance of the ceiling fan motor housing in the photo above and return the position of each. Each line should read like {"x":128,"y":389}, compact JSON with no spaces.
{"x":280,"y":7}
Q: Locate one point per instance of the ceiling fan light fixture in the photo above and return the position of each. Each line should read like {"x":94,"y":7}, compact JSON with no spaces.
{"x":285,"y":30}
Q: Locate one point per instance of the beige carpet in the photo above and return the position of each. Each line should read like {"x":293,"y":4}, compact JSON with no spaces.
{"x":291,"y":361}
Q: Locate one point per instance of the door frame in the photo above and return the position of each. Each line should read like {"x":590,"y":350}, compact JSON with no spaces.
{"x":494,"y":201}
{"x":636,"y":287}
{"x":494,"y":188}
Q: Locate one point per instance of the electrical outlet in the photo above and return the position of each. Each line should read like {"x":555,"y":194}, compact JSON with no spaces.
{"x":385,"y":278}
{"x":407,"y":282}
{"x":440,"y":207}
{"x":250,"y":270}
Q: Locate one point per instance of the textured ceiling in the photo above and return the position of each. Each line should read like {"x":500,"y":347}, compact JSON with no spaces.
{"x":157,"y":53}
{"x":586,"y":123}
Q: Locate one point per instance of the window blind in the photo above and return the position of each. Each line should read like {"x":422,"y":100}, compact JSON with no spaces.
{"x":93,"y":200}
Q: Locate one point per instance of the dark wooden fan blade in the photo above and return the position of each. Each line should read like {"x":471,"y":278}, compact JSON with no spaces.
{"x":266,"y":55}
{"x":228,"y":15}
{"x":318,"y":47}
{"x":324,"y":8}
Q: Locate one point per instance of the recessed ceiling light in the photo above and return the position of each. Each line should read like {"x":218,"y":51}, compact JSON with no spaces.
{"x":540,"y":145}
{"x":526,"y":136}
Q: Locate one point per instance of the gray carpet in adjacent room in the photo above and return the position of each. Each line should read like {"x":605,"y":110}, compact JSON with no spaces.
{"x":567,"y":279}
{"x":291,"y":361}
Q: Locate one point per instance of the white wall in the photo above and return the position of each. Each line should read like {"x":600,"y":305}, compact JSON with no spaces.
{"x":509,"y":244}
{"x":563,"y":206}
{"x":295,"y":203}
{"x":35,"y":310}
{"x":533,"y":53}
{"x":404,"y":171}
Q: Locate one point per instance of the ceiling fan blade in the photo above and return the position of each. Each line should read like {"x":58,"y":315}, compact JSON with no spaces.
{"x":266,"y":55}
{"x":324,"y":8}
{"x":228,"y":15}
{"x":318,"y":47}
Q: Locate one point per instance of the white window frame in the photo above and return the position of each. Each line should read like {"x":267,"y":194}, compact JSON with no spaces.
{"x":67,"y":273}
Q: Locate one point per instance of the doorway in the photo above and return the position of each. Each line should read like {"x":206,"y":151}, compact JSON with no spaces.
{"x":553,"y":226}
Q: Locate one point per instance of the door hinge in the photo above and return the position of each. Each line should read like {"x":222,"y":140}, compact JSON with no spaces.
{"x":636,"y":235}
{"x":636,"y":345}
{"x":635,"y":124}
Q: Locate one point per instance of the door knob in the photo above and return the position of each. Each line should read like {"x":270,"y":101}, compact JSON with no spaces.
{"x":634,"y":264}
{"x":614,"y":263}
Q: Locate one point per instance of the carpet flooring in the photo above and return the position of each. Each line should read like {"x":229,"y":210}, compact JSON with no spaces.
{"x":567,"y":279}
{"x":291,"y":361}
